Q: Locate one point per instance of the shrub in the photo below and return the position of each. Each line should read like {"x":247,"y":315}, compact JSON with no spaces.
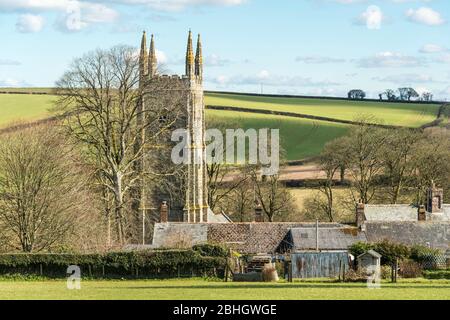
{"x":360,"y":247}
{"x":440,"y":274}
{"x":386,"y":272}
{"x":421,"y":253}
{"x":356,"y":276}
{"x":390,"y":252}
{"x":410,"y":269}
{"x":211,"y":250}
{"x":134,"y":263}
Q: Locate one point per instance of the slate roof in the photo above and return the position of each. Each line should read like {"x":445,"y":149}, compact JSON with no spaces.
{"x":401,"y":212}
{"x":426,"y":233}
{"x":373,"y":253}
{"x":398,"y":212}
{"x":244,"y":237}
{"x":330,"y":238}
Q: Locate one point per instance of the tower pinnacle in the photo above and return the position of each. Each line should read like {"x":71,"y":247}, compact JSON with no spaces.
{"x":152,"y":60}
{"x":190,"y":62}
{"x":199,"y":59}
{"x":143,"y":58}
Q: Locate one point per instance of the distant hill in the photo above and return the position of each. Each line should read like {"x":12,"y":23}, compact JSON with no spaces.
{"x":301,"y":138}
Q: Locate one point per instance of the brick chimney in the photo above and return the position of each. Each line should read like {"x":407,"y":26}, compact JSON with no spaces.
{"x":435,"y":199}
{"x":422,"y":214}
{"x":360,"y":215}
{"x":259,"y":217}
{"x":164,"y":212}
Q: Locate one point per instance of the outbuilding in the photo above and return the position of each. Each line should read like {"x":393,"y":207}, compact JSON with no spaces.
{"x":369,"y":259}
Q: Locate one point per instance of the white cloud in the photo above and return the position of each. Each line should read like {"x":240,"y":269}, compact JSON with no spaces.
{"x":319,"y":59}
{"x":161,"y":57}
{"x":432,"y":48}
{"x":29,"y":23}
{"x":266,"y":78}
{"x":372,"y":18}
{"x":389,"y":60}
{"x":12,"y":83}
{"x":407,"y":78}
{"x":445,"y":58}
{"x":177,"y":5}
{"x":425,"y":15}
{"x":215,"y":60}
{"x":74,"y":15}
{"x":8,"y":62}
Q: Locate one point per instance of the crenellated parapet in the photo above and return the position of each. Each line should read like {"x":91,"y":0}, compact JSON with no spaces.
{"x":148,"y":62}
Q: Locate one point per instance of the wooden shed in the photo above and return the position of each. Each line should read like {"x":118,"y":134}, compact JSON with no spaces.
{"x":369,"y":259}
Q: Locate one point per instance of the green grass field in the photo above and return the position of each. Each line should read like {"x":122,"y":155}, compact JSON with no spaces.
{"x":195,"y":289}
{"x":302,"y":138}
{"x":403,"y":114}
{"x":23,"y":107}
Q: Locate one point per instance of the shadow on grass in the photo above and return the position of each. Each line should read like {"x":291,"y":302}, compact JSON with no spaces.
{"x":292,"y":286}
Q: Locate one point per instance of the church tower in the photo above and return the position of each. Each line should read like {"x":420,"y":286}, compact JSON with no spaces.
{"x":181,"y":100}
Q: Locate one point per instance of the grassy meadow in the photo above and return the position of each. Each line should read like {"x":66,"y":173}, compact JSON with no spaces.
{"x":402,"y":114}
{"x":301,"y":138}
{"x":23,"y":107}
{"x":198,"y":289}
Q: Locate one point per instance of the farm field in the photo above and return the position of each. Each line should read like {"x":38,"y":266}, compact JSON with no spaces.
{"x":23,"y":107}
{"x":402,"y":114}
{"x":197,"y":289}
{"x":301,"y":138}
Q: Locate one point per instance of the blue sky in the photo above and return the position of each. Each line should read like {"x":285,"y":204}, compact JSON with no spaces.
{"x":318,"y":47}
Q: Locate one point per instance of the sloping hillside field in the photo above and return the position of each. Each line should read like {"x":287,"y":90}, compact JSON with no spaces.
{"x":23,"y":107}
{"x":401,"y":114}
{"x":301,"y":138}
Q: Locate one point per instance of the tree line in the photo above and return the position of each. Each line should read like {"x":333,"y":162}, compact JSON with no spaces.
{"x":401,"y":94}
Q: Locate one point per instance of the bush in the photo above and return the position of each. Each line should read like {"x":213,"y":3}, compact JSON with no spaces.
{"x":167,"y":263}
{"x":410,"y":269}
{"x":386,"y":272}
{"x":356,"y":276}
{"x":359,"y":248}
{"x":421,"y":253}
{"x":390,"y":252}
{"x":440,"y":274}
{"x":210,"y":250}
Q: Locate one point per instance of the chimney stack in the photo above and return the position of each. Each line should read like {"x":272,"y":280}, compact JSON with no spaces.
{"x":360,"y":215}
{"x":422,"y":213}
{"x":164,"y":212}
{"x":259,"y":213}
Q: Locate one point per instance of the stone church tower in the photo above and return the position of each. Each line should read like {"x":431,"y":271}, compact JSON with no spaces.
{"x":178,"y":101}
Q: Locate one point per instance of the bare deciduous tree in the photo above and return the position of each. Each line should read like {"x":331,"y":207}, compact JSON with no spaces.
{"x":42,"y":189}
{"x":102,"y":98}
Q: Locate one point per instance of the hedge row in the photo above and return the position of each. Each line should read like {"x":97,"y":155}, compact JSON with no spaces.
{"x":441,"y":274}
{"x":200,"y":260}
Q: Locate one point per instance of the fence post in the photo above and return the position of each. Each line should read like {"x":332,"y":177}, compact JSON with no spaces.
{"x":40,"y":269}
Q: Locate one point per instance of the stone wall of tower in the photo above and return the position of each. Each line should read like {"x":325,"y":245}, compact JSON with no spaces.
{"x":196,"y":210}
{"x":172,"y":103}
{"x":165,"y":98}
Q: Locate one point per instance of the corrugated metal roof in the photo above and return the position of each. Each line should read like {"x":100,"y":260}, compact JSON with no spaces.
{"x":339,"y":238}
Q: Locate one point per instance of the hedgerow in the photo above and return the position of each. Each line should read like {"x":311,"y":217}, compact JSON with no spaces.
{"x":162,"y":263}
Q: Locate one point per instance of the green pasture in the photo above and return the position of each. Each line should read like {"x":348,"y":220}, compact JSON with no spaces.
{"x":402,"y":114}
{"x":198,"y":289}
{"x":23,"y":107}
{"x":300,"y":138}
